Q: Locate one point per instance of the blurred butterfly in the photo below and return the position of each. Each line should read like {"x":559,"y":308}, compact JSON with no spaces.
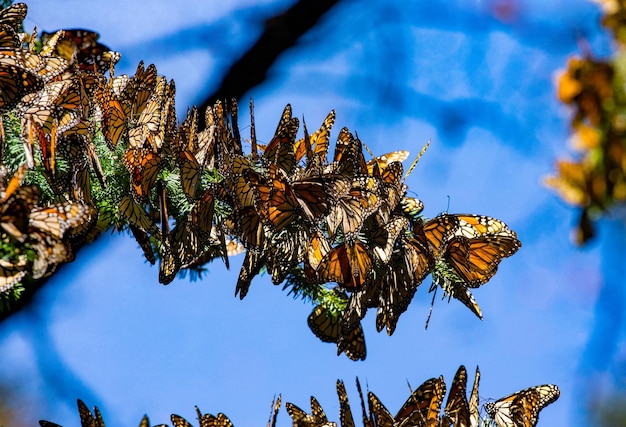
{"x":521,"y":409}
{"x":317,"y":418}
{"x":326,"y":324}
{"x":83,"y":46}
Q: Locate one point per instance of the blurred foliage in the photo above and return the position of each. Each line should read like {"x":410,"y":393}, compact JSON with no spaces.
{"x":595,"y":179}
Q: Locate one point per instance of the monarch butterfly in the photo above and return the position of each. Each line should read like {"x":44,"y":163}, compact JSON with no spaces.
{"x":315,"y":146}
{"x":16,"y":203}
{"x":8,"y":37}
{"x":206,"y":420}
{"x":474,"y":414}
{"x":170,"y":264}
{"x":252,"y":264}
{"x":348,"y":159}
{"x":12,"y":273}
{"x":286,"y":250}
{"x":326,"y":324}
{"x":476,"y":260}
{"x":345,"y":413}
{"x":384,"y":238}
{"x":438,"y":231}
{"x":110,"y":114}
{"x":15,"y":83}
{"x":201,"y":215}
{"x":395,"y":290}
{"x":521,"y":409}
{"x":280,"y":150}
{"x":456,"y":411}
{"x":137,"y":90}
{"x":136,"y":214}
{"x":421,"y":408}
{"x":143,"y":239}
{"x":84,"y":47}
{"x":347,"y":264}
{"x":350,"y":210}
{"x":13,"y":16}
{"x":143,"y":166}
{"x":317,"y":418}
{"x":471,"y":225}
{"x":383,"y":161}
{"x":56,"y":220}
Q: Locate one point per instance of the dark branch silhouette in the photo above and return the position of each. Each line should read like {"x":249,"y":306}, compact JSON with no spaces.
{"x":281,"y":32}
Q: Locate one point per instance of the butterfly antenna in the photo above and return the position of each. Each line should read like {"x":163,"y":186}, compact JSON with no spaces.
{"x":365,"y":145}
{"x":419,"y":156}
{"x":430,"y":311}
{"x":252,"y":132}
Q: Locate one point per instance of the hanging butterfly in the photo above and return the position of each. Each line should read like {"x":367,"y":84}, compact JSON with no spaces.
{"x":280,"y":150}
{"x":16,"y":203}
{"x":348,"y":264}
{"x":143,"y":166}
{"x":326,"y":324}
{"x":521,"y":409}
{"x":15,"y":83}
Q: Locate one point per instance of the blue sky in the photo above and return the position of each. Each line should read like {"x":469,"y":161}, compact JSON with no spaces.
{"x":479,"y":87}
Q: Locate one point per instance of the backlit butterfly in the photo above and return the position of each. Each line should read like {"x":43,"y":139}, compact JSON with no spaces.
{"x":274,"y":414}
{"x":521,"y":409}
{"x":206,"y":420}
{"x":317,"y":417}
{"x":347,"y":264}
{"x":143,"y":165}
{"x":280,"y":150}
{"x":456,"y":411}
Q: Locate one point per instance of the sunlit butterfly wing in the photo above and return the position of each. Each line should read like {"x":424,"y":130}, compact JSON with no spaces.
{"x":521,"y":409}
{"x":439,"y":231}
{"x":424,"y":405}
{"x":457,"y":411}
{"x":143,"y":165}
{"x":13,"y":16}
{"x":474,"y":414}
{"x":382,"y":416}
{"x":347,"y":264}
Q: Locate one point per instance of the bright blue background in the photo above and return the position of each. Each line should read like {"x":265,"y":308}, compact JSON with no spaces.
{"x":475,"y":77}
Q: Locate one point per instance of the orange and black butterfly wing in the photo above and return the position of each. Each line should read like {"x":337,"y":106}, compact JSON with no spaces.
{"x":457,"y":407}
{"x":345,"y":413}
{"x":382,"y":416}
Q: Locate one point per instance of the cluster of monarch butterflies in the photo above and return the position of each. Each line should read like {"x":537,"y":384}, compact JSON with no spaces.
{"x":423,"y":408}
{"x":191,"y":195}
